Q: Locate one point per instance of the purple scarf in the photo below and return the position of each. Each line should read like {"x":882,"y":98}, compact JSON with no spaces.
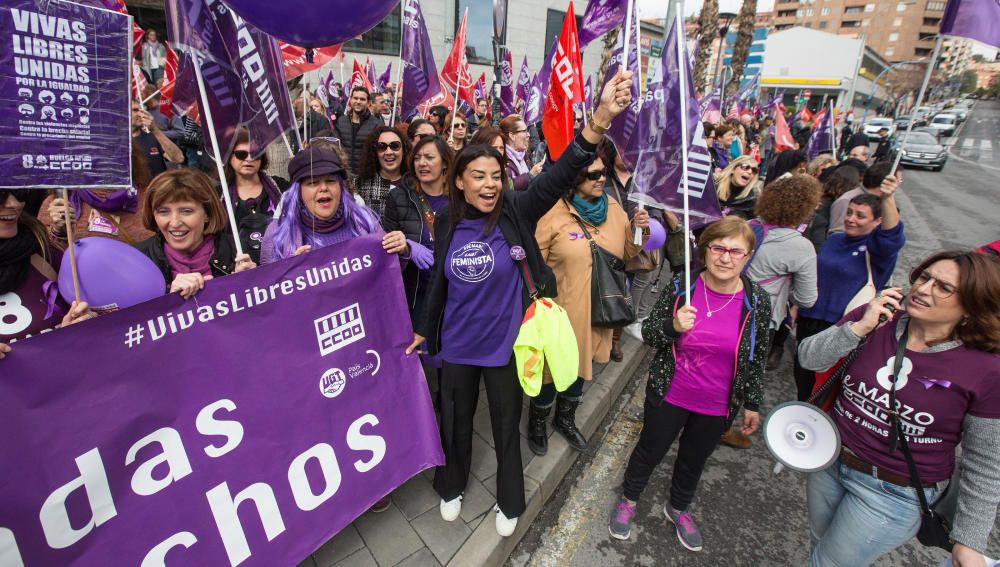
{"x":197,"y":262}
{"x":118,"y":201}
{"x":517,"y":158}
{"x":271,"y":192}
{"x":311,"y":223}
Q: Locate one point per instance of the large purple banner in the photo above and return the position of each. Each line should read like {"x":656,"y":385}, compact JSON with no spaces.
{"x":245,"y":426}
{"x":64,"y":97}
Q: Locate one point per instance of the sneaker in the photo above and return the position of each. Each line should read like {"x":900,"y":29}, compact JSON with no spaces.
{"x":634,"y":330}
{"x":505,"y":525}
{"x":620,"y":524}
{"x":687,"y":530}
{"x":450,"y":509}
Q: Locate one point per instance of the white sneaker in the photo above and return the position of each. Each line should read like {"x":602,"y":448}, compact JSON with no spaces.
{"x":634,"y":329}
{"x":505,"y":525}
{"x":451,"y":509}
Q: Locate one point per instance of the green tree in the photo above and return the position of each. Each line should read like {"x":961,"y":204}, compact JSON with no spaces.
{"x":746,"y":22}
{"x":708,"y":30}
{"x":969,"y":81}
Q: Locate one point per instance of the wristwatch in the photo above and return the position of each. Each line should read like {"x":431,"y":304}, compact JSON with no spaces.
{"x":596,"y":127}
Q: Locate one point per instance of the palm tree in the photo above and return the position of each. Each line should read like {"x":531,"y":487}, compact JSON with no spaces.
{"x":708,"y":30}
{"x":610,"y":39}
{"x":744,"y":37}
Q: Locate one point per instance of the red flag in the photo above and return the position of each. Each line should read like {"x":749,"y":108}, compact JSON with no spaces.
{"x":818,"y":118}
{"x":139,"y":82}
{"x":359,"y":78}
{"x":565,"y":88}
{"x":455,"y":72}
{"x":782,"y":135}
{"x":293,"y":58}
{"x":443,"y":98}
{"x":805,"y":115}
{"x":169,"y":76}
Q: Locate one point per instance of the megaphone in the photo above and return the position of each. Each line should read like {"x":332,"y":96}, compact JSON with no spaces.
{"x":801,"y":437}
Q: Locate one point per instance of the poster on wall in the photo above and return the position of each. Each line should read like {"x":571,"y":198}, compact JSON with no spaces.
{"x":64,"y":96}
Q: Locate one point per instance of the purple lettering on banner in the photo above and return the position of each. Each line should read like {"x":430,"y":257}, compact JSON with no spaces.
{"x":64,"y":72}
{"x":245,"y":426}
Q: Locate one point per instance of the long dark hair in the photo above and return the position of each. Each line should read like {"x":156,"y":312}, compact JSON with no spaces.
{"x":368,"y":167}
{"x":456,"y":197}
{"x":447,"y":157}
{"x":785,"y":162}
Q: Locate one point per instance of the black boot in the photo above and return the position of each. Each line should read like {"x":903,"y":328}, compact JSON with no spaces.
{"x":538,"y":441}
{"x":565,"y":423}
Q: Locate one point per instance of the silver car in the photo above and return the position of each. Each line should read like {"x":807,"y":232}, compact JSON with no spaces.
{"x":923,"y":150}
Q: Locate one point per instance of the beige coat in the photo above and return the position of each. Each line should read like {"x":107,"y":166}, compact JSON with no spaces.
{"x":567,"y":252}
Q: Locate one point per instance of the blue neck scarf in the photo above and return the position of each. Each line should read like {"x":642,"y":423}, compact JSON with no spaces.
{"x":593,"y":212}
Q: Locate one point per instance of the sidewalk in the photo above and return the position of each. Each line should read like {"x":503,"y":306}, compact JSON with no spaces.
{"x":412,"y":533}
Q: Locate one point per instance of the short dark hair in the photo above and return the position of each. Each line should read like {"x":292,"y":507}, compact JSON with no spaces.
{"x":871,"y":201}
{"x":875,"y":174}
{"x":361,"y":88}
{"x":242,"y":137}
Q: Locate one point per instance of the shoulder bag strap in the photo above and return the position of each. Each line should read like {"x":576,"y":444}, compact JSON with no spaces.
{"x":896,"y":434}
{"x":526,"y":274}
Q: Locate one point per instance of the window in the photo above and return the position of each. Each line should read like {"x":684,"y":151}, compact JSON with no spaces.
{"x":900,"y":7}
{"x":896,"y":22}
{"x":869,"y":7}
{"x":932,"y":22}
{"x":383,"y":38}
{"x":852,"y":10}
{"x":925,"y":36}
{"x":851,"y":24}
{"x":889,"y":51}
{"x":479,"y":30}
{"x":798,"y":13}
{"x":935,"y":6}
{"x":809,"y":12}
{"x":893,"y":36}
{"x":865,"y":23}
{"x":786,"y":14}
{"x":822,"y":25}
{"x":921,"y":52}
{"x":824,"y":12}
{"x":808,"y":24}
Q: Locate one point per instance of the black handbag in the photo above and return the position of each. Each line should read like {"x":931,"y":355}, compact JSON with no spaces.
{"x":935,"y":527}
{"x":610,"y":300}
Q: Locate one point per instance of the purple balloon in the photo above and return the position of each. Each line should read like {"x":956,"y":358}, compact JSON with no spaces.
{"x":657,"y":236}
{"x":113,"y":275}
{"x":309,"y":23}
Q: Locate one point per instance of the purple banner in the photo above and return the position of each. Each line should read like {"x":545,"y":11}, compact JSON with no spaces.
{"x":523,"y":89}
{"x":539,"y":88}
{"x":420,"y":74}
{"x":245,"y":426}
{"x":242,"y":69}
{"x":624,"y":128}
{"x":660,"y":169}
{"x":822,"y":137}
{"x":601,"y":17}
{"x":64,"y":75}
{"x":973,"y":19}
{"x":506,"y":84}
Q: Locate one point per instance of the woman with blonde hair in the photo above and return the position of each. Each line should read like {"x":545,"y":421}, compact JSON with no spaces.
{"x":820,"y":163}
{"x":736,"y":187}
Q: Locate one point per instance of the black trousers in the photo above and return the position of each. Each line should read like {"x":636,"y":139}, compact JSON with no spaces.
{"x":459,"y":396}
{"x":806,"y":379}
{"x":661,"y":423}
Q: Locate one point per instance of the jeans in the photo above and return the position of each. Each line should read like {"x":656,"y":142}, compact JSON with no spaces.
{"x":641,"y":287}
{"x":854,"y":517}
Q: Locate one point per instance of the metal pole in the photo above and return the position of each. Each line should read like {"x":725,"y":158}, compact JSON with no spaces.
{"x":683,"y":98}
{"x":920,"y":100}
{"x":857,"y":69}
{"x":397,"y":97}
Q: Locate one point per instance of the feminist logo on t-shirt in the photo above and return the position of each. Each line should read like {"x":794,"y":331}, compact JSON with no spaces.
{"x":473,"y":262}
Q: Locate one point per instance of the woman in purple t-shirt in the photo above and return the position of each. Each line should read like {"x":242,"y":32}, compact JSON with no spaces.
{"x":947,"y":392}
{"x":708,"y":365}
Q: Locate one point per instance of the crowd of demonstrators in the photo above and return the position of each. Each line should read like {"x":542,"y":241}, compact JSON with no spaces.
{"x":866,"y":504}
{"x":384,"y":160}
{"x":852,"y":265}
{"x":354,"y":127}
{"x":711,"y":345}
{"x":586,"y":213}
{"x":485,"y":222}
{"x":255,"y":194}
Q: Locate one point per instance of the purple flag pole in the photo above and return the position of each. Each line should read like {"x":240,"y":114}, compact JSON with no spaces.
{"x":920,"y":100}
{"x":682,"y":75}
{"x":207,"y":110}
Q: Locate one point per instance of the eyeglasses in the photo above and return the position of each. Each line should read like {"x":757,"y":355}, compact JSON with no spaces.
{"x":940,"y":289}
{"x":734,"y":253}
{"x":747,"y":167}
{"x":595,"y":175}
{"x":243,"y":155}
{"x":394,"y":146}
{"x":459,"y":125}
{"x":19,"y":194}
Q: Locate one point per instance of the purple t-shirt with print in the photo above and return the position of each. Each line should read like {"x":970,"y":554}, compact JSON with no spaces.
{"x":934,"y":392}
{"x":483,"y":312}
{"x":706,"y":355}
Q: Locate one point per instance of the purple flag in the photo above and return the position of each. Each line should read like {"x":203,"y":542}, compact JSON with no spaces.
{"x":539,"y":88}
{"x":370,"y":73}
{"x":383,"y":79}
{"x":601,"y":17}
{"x":658,"y":176}
{"x":746,"y":92}
{"x":821,"y":139}
{"x":973,"y":19}
{"x":524,"y":80}
{"x":588,"y":92}
{"x":420,"y":75}
{"x":506,"y":85}
{"x":624,"y":128}
{"x":710,"y":107}
{"x":188,"y":440}
{"x":65,"y":119}
{"x":242,"y":70}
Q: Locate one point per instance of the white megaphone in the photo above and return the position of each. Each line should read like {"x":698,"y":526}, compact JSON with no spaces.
{"x":801,"y":437}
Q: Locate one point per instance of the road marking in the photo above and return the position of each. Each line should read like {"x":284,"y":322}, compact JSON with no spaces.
{"x":974,"y":162}
{"x":967,"y":143}
{"x":987,"y":145}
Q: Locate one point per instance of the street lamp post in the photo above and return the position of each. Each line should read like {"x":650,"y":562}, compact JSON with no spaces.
{"x":868,"y":102}
{"x":725,"y":20}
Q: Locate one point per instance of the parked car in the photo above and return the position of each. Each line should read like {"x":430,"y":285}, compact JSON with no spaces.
{"x":902,"y":122}
{"x":945,"y":123}
{"x":923,"y":112}
{"x":923,"y":150}
{"x":928,"y":130}
{"x":872,"y":127}
{"x":960,"y":112}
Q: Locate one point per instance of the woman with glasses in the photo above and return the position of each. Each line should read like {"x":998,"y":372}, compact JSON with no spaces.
{"x":851,"y":267}
{"x":456,"y":131}
{"x":29,"y":299}
{"x":420,"y":129}
{"x":562,"y":238}
{"x":384,"y":159}
{"x":736,"y":187}
{"x":948,"y":392}
{"x":519,"y":167}
{"x":711,"y":343}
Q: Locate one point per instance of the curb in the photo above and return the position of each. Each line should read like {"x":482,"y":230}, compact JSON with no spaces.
{"x":542,"y":475}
